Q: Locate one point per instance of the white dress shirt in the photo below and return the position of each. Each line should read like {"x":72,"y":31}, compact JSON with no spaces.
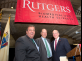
{"x":57,"y":42}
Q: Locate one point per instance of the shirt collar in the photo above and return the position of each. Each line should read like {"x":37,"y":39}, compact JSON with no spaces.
{"x":28,"y":37}
{"x":58,"y":39}
{"x":42,"y":37}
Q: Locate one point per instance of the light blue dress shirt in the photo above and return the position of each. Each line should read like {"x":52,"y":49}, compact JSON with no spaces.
{"x":48,"y":46}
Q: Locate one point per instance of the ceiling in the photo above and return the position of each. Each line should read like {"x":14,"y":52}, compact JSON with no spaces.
{"x":18,"y":29}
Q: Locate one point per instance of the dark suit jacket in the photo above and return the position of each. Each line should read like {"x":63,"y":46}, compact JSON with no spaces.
{"x":62,"y":49}
{"x":43,"y":53}
{"x":25,"y":50}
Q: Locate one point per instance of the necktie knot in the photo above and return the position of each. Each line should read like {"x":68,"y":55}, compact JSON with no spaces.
{"x":56,"y":40}
{"x":33,"y":40}
{"x":45,"y":39}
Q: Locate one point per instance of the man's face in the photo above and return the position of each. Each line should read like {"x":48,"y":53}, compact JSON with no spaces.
{"x":30,"y":32}
{"x":44,"y":33}
{"x":55,"y":34}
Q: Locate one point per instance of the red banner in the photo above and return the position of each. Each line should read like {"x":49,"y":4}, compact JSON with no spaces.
{"x":0,"y":37}
{"x":45,"y":11}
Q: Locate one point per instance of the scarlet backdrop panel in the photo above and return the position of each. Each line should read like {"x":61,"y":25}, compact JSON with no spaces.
{"x":45,"y":11}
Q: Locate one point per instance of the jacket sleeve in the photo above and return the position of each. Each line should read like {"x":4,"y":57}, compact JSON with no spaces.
{"x":20,"y":53}
{"x":67,"y":45}
{"x":68,"y":48}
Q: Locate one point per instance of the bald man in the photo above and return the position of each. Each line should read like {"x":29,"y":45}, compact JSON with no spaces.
{"x":60,"y":46}
{"x":44,"y":46}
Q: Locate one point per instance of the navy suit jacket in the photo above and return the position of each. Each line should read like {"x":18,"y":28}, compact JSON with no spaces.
{"x":62,"y":49}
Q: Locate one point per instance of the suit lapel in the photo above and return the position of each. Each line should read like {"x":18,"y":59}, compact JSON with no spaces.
{"x":49,"y":43}
{"x":53,"y":46}
{"x":42,"y":44}
{"x":31,"y":42}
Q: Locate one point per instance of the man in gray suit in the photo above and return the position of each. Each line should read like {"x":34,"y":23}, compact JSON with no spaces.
{"x":26,"y":48}
{"x":44,"y":46}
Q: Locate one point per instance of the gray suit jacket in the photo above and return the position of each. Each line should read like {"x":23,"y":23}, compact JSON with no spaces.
{"x":25,"y":50}
{"x":42,"y":49}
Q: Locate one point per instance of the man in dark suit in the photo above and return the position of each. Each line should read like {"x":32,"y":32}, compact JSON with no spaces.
{"x":45,"y":47}
{"x":60,"y":46}
{"x":26,"y":48}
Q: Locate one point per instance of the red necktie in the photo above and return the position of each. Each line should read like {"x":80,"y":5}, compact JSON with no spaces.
{"x":55,"y":44}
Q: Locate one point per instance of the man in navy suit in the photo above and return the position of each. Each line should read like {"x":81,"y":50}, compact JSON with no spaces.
{"x":60,"y":46}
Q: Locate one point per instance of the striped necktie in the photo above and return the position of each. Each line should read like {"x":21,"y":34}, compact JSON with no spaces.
{"x":35,"y":44}
{"x":48,"y":52}
{"x":33,"y":41}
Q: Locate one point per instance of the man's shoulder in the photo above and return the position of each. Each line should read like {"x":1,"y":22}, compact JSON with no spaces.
{"x":21,"y":38}
{"x":63,"y":38}
{"x":47,"y":39}
{"x":41,"y":38}
{"x":38,"y":38}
